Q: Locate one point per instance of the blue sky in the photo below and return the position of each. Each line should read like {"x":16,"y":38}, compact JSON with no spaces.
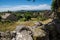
{"x":14,"y":5}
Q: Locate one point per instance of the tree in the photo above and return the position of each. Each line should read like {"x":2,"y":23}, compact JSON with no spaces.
{"x":27,"y":16}
{"x":55,"y":8}
{"x":54,"y":5}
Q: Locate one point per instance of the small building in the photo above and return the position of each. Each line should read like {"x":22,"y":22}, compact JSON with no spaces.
{"x":8,"y":16}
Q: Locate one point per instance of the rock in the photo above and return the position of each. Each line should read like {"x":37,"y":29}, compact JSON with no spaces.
{"x":3,"y":39}
{"x":2,"y":34}
{"x":13,"y":35}
{"x":18,"y":28}
{"x":53,"y":29}
{"x":38,"y":24}
{"x":13,"y":39}
{"x":23,"y":33}
{"x":19,"y":36}
{"x":39,"y":32}
{"x":50,"y":31}
{"x":26,"y":35}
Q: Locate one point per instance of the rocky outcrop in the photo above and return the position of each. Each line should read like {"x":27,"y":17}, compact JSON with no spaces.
{"x":39,"y":31}
{"x":23,"y":32}
{"x":53,"y":29}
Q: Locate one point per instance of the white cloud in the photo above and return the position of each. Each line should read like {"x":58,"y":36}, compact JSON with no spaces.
{"x":26,"y":7}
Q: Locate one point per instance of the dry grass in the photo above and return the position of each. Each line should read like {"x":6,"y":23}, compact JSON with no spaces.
{"x":46,"y":21}
{"x":34,"y":19}
{"x":7,"y":26}
{"x":12,"y":26}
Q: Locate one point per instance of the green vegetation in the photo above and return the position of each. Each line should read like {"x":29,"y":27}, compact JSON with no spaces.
{"x":56,"y":8}
{"x":27,"y":15}
{"x":27,"y":18}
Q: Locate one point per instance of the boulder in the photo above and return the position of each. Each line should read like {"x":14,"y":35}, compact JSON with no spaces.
{"x":23,"y":33}
{"x":38,"y":24}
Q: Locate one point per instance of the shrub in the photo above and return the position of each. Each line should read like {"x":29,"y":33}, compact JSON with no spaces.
{"x":27,"y":16}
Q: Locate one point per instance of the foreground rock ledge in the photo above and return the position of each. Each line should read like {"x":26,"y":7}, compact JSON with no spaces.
{"x":37,"y":32}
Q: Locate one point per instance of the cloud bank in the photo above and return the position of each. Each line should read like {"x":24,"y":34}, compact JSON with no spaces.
{"x":26,"y":7}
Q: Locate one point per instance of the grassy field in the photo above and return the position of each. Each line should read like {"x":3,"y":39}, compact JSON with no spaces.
{"x":12,"y":26}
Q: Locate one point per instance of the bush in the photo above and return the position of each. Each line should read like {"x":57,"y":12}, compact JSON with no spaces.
{"x":22,"y":19}
{"x":27,"y":16}
{"x":42,"y":18}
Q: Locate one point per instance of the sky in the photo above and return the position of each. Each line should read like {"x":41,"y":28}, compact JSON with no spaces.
{"x":14,"y":5}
